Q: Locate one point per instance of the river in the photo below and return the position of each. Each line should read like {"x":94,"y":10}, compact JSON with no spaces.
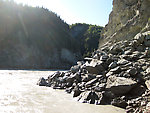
{"x":20,"y":94}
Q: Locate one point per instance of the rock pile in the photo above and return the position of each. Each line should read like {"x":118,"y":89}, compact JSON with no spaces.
{"x":117,"y":74}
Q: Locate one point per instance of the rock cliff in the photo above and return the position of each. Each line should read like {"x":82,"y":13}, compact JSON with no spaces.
{"x":128,"y":17}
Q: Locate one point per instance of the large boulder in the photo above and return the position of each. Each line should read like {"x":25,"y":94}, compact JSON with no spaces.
{"x":95,"y":67}
{"x":90,"y":97}
{"x":120,"y":85}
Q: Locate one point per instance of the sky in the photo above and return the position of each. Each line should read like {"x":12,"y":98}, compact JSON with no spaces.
{"x":94,"y":12}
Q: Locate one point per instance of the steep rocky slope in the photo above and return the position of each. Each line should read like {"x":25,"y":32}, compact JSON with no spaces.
{"x":118,"y":73}
{"x":34,"y":38}
{"x":127,"y":18}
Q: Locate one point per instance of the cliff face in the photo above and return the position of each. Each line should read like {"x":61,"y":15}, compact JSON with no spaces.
{"x":34,"y":38}
{"x":127,"y":18}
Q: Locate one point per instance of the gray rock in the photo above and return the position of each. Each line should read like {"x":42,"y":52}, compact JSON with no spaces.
{"x":88,"y":77}
{"x":116,"y":70}
{"x":96,"y":56}
{"x":122,"y":62}
{"x":119,"y":102}
{"x":115,"y":49}
{"x":139,"y":37}
{"x":75,"y":68}
{"x":147,"y":40}
{"x":100,"y":87}
{"x":132,"y":71}
{"x":83,"y":96}
{"x":91,"y":82}
{"x":128,"y":52}
{"x":109,"y":74}
{"x":104,"y":57}
{"x":77,"y":92}
{"x":147,"y":52}
{"x":148,"y":70}
{"x":89,"y":97}
{"x":138,"y":90}
{"x":42,"y":82}
{"x":147,"y":84}
{"x":95,"y":67}
{"x":113,"y":65}
{"x":120,"y":85}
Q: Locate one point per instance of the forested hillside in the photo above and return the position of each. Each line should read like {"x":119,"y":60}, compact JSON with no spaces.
{"x":34,"y":38}
{"x":88,"y":37}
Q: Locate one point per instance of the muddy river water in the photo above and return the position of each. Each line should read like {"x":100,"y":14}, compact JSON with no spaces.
{"x":20,"y":94}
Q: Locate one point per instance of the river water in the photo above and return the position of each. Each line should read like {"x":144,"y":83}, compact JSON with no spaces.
{"x":20,"y":94}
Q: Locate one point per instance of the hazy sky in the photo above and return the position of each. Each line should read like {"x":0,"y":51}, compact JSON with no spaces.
{"x":77,"y":11}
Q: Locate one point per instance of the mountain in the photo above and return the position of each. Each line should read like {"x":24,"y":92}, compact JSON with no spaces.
{"x":87,"y":35}
{"x":34,"y":38}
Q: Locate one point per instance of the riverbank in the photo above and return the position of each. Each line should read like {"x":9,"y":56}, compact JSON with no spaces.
{"x":20,"y":94}
{"x":118,"y":74}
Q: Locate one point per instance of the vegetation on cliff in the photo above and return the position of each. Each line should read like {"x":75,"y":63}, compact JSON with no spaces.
{"x":87,"y":35}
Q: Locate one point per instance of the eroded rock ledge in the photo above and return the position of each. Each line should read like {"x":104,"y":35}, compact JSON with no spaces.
{"x":117,"y":74}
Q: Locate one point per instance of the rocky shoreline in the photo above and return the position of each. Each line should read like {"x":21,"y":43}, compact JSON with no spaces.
{"x":117,"y":74}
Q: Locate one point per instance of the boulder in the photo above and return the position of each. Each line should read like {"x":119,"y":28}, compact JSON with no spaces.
{"x":137,"y":91}
{"x":147,"y":84}
{"x":115,"y":49}
{"x":132,"y":71}
{"x":91,"y":82}
{"x":77,"y":92}
{"x":148,"y":70}
{"x":128,"y":52}
{"x":95,"y":67}
{"x":75,"y":68}
{"x":120,"y":85}
{"x":122,"y":62}
{"x":100,"y":87}
{"x":147,"y":39}
{"x":116,"y":70}
{"x":83,"y":97}
{"x":42,"y":82}
{"x":104,"y":57}
{"x":139,"y":37}
{"x":113,"y":65}
{"x":89,"y":97}
{"x":119,"y":102}
{"x":88,"y":77}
